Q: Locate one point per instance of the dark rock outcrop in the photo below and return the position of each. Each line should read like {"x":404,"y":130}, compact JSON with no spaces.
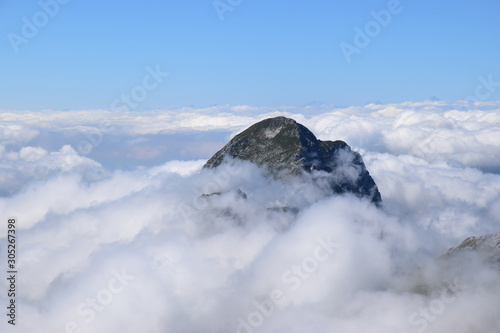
{"x":287,"y":148}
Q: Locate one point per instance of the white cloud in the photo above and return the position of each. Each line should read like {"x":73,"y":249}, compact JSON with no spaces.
{"x":31,"y":154}
{"x":183,"y":168}
{"x":34,"y":163}
{"x":143,"y":250}
{"x":16,"y":134}
{"x":431,"y":130}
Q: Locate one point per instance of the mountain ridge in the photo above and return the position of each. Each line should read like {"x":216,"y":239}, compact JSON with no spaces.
{"x":284,"y":147}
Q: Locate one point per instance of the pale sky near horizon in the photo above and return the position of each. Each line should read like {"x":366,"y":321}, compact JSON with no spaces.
{"x":86,"y":54}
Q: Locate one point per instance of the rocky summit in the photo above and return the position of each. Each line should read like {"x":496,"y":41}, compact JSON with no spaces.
{"x":287,"y":148}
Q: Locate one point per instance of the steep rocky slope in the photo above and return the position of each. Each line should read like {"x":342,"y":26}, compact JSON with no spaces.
{"x":286,"y":148}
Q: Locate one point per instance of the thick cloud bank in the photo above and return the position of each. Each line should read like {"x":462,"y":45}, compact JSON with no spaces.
{"x":143,"y":250}
{"x":459,"y":132}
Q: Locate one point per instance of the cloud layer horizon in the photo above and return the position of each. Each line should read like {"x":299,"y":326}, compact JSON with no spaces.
{"x":115,"y":235}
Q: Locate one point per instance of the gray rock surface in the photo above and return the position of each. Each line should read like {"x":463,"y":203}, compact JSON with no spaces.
{"x":287,"y":148}
{"x":487,"y":247}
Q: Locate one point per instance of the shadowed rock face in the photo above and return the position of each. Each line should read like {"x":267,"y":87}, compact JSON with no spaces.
{"x":285,"y":147}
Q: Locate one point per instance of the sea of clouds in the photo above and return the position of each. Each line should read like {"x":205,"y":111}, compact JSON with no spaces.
{"x":114,"y":233}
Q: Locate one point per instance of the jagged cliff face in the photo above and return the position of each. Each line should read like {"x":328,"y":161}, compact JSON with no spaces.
{"x":285,"y":147}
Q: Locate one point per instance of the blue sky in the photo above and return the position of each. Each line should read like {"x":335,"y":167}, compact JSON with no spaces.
{"x":263,"y":53}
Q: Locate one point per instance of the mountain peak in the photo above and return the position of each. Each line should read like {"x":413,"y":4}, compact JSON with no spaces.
{"x":283,"y":146}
